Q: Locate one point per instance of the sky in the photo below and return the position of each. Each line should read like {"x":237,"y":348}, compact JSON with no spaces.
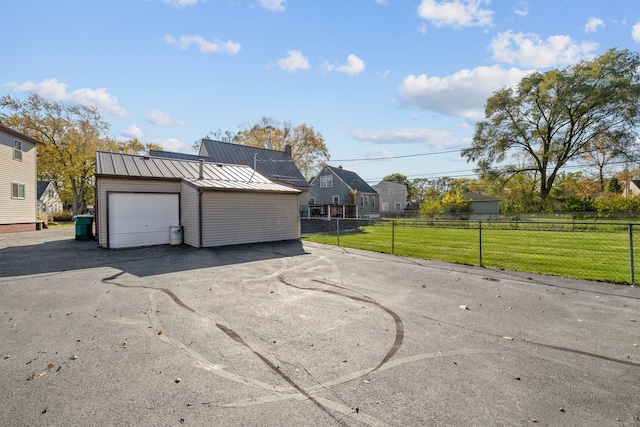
{"x":394,"y":86}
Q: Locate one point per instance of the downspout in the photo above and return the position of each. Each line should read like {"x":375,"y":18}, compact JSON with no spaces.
{"x":199,"y":217}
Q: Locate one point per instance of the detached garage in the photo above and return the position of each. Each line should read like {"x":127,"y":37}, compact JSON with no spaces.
{"x":140,"y":198}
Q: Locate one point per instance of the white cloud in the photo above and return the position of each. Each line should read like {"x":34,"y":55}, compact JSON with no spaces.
{"x":382,"y":2}
{"x":422,"y":28}
{"x":456,"y":13}
{"x":593,"y":24}
{"x":273,"y":5}
{"x":132,"y":131}
{"x":353,"y":67}
{"x":529,"y":50}
{"x":376,"y":153}
{"x":182,"y":3}
{"x":462,"y":94}
{"x":215,"y":46}
{"x":522,"y":9}
{"x":160,"y":118}
{"x":294,"y":62}
{"x":635,"y":33}
{"x":401,"y":136}
{"x":172,"y":144}
{"x":53,"y":90}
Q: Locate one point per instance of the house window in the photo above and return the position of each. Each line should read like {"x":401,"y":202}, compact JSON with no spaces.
{"x":385,"y":206}
{"x":398,"y":206}
{"x":361,"y":200}
{"x":390,"y":191}
{"x":17,"y":191}
{"x":366,"y":201}
{"x":326,"y":181}
{"x":312,"y":200}
{"x":17,"y":150}
{"x":336,"y":200}
{"x":373,"y":201}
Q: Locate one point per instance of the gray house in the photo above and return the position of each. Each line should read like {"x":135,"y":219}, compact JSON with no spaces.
{"x":139,"y":200}
{"x":336,"y":191}
{"x":393,"y":197}
{"x":483,"y":206}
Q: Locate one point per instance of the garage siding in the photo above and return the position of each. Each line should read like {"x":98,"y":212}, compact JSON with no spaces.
{"x":106,"y":185}
{"x":190,"y":215}
{"x":237,"y":218}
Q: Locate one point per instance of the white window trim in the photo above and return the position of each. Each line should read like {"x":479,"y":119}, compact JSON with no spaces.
{"x":17,"y":150}
{"x":17,"y":186}
{"x":385,"y":206}
{"x":390,"y":191}
{"x":336,"y":200}
{"x":398,"y":206}
{"x":326,"y":181}
{"x":312,"y":200}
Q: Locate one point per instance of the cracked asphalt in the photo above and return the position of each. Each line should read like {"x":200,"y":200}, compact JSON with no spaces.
{"x":302,"y":334}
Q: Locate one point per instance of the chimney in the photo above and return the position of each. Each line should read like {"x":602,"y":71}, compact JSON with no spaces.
{"x":287,"y":149}
{"x":340,"y":167}
{"x":201,"y":169}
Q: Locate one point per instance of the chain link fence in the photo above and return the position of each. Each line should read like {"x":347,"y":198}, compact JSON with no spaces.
{"x":584,"y":249}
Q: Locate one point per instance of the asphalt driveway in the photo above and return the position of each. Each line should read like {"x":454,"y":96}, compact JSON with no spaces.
{"x":303,"y":334}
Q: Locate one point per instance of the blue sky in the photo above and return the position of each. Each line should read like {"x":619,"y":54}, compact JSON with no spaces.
{"x":392,"y":85}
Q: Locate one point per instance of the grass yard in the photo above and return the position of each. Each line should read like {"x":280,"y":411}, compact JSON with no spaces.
{"x":591,"y":255}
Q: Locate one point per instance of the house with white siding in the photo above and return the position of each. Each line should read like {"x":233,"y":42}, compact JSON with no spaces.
{"x":49,"y":201}
{"x":139,"y":199}
{"x":18,"y":166}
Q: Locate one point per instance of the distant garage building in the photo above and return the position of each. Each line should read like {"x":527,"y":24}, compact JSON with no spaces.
{"x":138,"y":200}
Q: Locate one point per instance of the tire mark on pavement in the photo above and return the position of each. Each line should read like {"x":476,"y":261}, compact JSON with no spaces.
{"x":399,"y":334}
{"x":234,"y":336}
{"x":549,"y":346}
{"x":174,"y":297}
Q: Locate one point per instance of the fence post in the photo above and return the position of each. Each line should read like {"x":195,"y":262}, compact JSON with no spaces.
{"x":338,"y":230}
{"x":393,"y":237}
{"x":633,"y":278}
{"x":480,"y":239}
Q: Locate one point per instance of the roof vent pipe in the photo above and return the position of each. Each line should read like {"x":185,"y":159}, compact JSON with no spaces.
{"x":287,"y":149}
{"x":201,"y":169}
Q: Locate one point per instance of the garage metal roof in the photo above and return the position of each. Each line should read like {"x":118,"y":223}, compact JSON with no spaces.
{"x":214,"y":175}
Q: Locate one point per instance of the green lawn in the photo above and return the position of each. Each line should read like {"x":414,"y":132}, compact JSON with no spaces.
{"x":592,"y":255}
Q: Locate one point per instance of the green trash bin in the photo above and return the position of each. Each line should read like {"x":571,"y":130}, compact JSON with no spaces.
{"x":84,"y":227}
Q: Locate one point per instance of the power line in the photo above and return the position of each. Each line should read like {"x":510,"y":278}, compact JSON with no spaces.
{"x":398,"y":157}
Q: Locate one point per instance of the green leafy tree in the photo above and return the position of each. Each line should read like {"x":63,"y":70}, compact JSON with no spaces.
{"x":578,"y":204}
{"x":431,"y":208}
{"x":553,"y":118}
{"x":613,"y":186}
{"x":454,"y":202}
{"x":308,"y":149}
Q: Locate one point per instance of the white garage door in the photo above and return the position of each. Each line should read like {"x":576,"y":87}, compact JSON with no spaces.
{"x":141,"y":219}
